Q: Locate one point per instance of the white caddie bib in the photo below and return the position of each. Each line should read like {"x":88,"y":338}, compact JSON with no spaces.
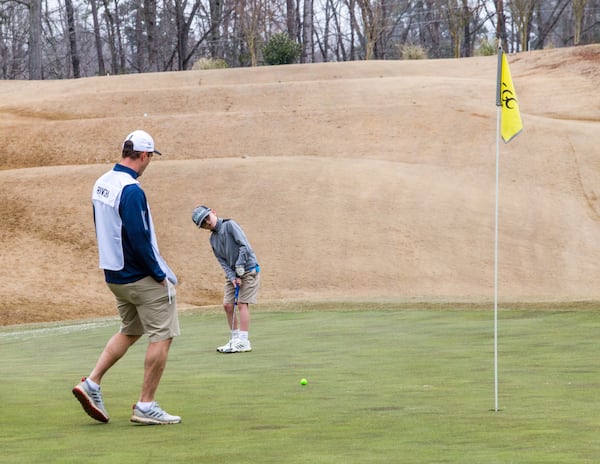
{"x":106,"y":196}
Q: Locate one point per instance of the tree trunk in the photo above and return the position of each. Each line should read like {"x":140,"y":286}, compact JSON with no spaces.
{"x":307,"y":29}
{"x":467,"y":46}
{"x":292,"y":19}
{"x":340,"y":49}
{"x":578,"y":9}
{"x":97,"y":38}
{"x":35,"y":40}
{"x":111,"y":38}
{"x":181,"y":33}
{"x":140,"y":45}
{"x":72,"y":38}
{"x":547,"y":28}
{"x":151,"y":34}
{"x":354,"y":30}
{"x":216,"y":15}
{"x":501,"y":36}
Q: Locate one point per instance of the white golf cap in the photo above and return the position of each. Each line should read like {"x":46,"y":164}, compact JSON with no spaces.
{"x":142,"y":141}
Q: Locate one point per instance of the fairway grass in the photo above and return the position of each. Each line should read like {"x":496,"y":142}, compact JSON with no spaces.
{"x":384,"y":386}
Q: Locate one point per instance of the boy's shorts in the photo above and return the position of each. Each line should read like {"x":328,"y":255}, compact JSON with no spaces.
{"x":248,"y":290}
{"x":146,"y":308}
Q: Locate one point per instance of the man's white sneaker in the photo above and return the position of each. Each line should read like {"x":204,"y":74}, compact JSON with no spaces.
{"x":91,"y":401}
{"x":154,"y":416}
{"x":237,"y":346}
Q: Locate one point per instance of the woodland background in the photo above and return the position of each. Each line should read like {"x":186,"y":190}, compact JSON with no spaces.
{"x":60,"y":39}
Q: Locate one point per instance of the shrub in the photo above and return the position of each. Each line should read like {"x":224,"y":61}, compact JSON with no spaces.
{"x":487,"y":48}
{"x":281,"y":49}
{"x":209,"y":63}
{"x":413,"y":52}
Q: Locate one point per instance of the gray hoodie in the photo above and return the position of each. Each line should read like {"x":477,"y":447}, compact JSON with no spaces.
{"x":231,"y":247}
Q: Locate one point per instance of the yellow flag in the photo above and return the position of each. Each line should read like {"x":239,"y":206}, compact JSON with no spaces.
{"x":511,"y":124}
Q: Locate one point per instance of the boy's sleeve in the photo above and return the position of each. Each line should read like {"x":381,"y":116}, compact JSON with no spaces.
{"x":230,"y":273}
{"x":239,"y":237}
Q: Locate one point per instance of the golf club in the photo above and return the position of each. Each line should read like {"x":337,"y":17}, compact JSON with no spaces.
{"x":235,"y":302}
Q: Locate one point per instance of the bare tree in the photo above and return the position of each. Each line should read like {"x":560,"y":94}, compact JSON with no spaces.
{"x":428,"y":23}
{"x":372,"y":15}
{"x":307,"y":55}
{"x":72,"y":38}
{"x":115,"y":38}
{"x":340,"y":44}
{"x":327,"y":30}
{"x":185,"y":49}
{"x":458,"y":17}
{"x":501,"y":34}
{"x":546,"y":22}
{"x":14,"y":33}
{"x":35,"y":39}
{"x":55,"y":39}
{"x":137,"y":39}
{"x":216,"y":16}
{"x":475,"y":26}
{"x":149,"y":14}
{"x":354,"y":28}
{"x":183,"y":26}
{"x":4,"y":40}
{"x":97,"y":37}
{"x":578,"y":10}
{"x":292,"y":19}
{"x":522,"y":13}
{"x":249,"y":15}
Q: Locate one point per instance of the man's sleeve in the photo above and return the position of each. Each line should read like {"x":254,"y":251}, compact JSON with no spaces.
{"x":136,"y":229}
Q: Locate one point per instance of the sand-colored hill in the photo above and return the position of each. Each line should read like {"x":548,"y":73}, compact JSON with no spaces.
{"x":362,"y":180}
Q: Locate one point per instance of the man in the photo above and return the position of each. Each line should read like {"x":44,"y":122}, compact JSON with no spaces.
{"x":138,"y":276}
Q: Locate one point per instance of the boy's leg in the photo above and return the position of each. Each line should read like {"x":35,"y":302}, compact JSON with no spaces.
{"x":228,"y":307}
{"x":244,"y":310}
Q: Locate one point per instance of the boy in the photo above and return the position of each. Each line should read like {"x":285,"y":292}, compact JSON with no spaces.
{"x":236,"y":257}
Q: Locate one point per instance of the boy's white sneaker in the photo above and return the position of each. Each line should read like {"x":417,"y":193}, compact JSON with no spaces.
{"x":226,"y":346}
{"x":237,"y":346}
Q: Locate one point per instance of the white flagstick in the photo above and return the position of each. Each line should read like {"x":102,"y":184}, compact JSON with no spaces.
{"x":496,"y":272}
{"x":499,"y":115}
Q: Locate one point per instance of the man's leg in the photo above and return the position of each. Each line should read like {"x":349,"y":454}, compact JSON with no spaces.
{"x":147,"y":411}
{"x":154,"y":366}
{"x":114,"y":350}
{"x":88,"y":394}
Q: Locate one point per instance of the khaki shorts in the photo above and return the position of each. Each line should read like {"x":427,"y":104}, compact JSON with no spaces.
{"x":248,"y":290}
{"x":144,"y":308}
